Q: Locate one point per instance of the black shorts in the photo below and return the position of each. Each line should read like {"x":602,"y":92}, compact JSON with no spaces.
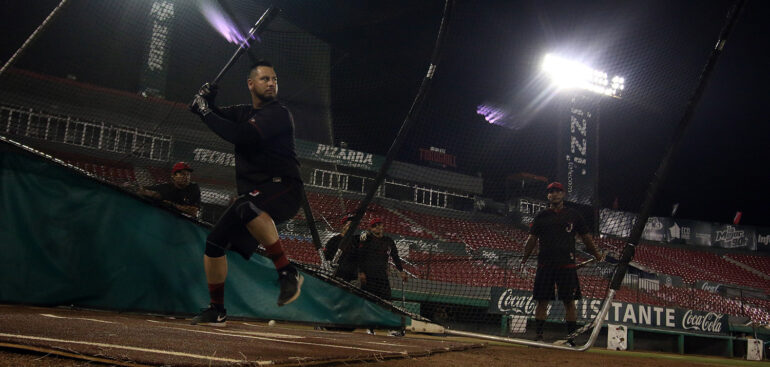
{"x":564,"y":278}
{"x":281,"y":200}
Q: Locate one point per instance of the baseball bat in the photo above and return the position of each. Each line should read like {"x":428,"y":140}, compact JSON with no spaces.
{"x":584,"y":263}
{"x":258,"y":27}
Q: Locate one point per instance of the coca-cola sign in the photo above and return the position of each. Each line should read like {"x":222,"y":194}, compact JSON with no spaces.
{"x":709,"y":322}
{"x":516,"y":302}
{"x":708,"y":286}
{"x":519,"y":302}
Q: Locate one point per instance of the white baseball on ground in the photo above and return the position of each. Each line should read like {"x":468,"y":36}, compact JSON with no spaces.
{"x":271,"y":323}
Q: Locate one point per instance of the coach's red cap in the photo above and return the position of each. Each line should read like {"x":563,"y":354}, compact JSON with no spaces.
{"x":374,"y":222}
{"x":555,"y":186}
{"x":181,"y":166}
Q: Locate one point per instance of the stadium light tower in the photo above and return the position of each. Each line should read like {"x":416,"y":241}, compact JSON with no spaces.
{"x":578,"y":160}
{"x":572,"y":74}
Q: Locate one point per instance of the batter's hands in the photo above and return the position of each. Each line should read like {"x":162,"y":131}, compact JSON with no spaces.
{"x":204,"y":100}
{"x":364,"y":236}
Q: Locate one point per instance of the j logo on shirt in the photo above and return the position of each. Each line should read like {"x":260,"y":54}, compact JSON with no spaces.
{"x":569,"y":227}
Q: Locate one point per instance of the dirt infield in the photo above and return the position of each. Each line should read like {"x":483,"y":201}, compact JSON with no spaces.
{"x":33,"y":336}
{"x":154,"y":340}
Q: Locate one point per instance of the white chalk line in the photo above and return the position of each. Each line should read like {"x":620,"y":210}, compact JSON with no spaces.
{"x":255,"y":333}
{"x":138,"y":349}
{"x":285,"y":341}
{"x":75,"y":318}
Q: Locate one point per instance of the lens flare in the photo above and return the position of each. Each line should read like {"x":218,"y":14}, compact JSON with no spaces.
{"x":218,"y":19}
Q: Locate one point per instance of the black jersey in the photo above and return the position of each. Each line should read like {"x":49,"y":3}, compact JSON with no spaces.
{"x":346,"y":268}
{"x":189,"y":195}
{"x":556,"y":232}
{"x":263,"y":139}
{"x":372,"y":256}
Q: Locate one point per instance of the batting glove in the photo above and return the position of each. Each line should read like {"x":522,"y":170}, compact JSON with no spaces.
{"x":204,"y":101}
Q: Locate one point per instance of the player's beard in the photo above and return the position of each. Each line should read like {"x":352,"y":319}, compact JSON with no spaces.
{"x":265,"y":97}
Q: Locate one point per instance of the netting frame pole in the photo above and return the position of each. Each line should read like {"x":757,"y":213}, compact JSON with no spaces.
{"x":665,"y":164}
{"x":403,"y":132}
{"x":32,"y":37}
{"x":596,"y":324}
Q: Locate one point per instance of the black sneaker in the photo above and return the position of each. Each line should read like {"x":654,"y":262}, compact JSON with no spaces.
{"x":290,"y":281}
{"x":210,"y":317}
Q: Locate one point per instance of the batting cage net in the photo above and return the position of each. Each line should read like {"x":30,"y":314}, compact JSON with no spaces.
{"x":404,"y":132}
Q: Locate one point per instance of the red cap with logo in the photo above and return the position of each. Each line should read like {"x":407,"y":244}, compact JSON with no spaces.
{"x":375,"y":221}
{"x":555,"y":186}
{"x":181,"y":166}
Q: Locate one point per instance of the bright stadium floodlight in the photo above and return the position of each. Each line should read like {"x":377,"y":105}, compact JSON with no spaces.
{"x":572,"y":74}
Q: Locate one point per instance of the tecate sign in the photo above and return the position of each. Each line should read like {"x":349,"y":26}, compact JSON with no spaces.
{"x":710,"y":322}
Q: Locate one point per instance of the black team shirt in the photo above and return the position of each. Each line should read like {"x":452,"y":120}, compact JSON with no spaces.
{"x":556,"y":233}
{"x":347,"y":261}
{"x":372,"y":256}
{"x":263,"y":140}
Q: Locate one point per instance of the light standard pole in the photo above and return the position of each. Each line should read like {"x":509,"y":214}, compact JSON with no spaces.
{"x":584,"y":108}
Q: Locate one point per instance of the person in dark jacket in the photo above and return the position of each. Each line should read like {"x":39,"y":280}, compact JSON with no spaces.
{"x":346,"y":264}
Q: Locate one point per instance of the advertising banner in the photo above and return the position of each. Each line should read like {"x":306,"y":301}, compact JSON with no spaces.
{"x":733,"y":237}
{"x":577,"y":150}
{"x":337,"y":155}
{"x":429,"y":246}
{"x":671,"y":280}
{"x":763,"y":239}
{"x":701,"y":234}
{"x":617,"y":337}
{"x":656,"y":229}
{"x":518,"y":302}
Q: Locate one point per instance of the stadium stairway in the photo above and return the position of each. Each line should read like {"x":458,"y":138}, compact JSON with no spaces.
{"x":728,"y":258}
{"x":414,"y":223}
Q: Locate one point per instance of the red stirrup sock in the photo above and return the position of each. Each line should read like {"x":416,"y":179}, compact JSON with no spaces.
{"x":275,"y":253}
{"x":217,"y":294}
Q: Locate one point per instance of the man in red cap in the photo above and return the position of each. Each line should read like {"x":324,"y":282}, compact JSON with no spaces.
{"x":555,"y":228}
{"x":372,"y":258}
{"x":180,"y":193}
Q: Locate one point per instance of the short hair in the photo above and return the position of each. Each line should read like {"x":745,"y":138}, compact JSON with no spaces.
{"x":258,"y":63}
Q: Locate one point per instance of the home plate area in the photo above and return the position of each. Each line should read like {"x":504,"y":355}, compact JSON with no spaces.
{"x":131,"y":339}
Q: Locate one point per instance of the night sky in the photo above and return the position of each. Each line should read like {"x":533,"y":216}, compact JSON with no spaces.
{"x":492,"y":56}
